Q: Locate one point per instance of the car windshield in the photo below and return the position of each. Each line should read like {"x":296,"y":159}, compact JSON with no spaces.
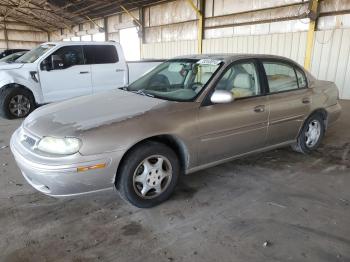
{"x":11,"y":58}
{"x":178,"y":79}
{"x":34,"y":54}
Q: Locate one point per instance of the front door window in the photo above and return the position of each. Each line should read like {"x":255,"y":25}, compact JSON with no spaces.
{"x":241,"y":79}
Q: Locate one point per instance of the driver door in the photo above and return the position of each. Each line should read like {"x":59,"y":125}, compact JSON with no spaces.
{"x":231,"y":129}
{"x":64,"y":75}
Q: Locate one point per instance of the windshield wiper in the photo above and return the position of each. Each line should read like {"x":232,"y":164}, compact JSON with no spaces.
{"x":142,"y":92}
{"x":139,"y":92}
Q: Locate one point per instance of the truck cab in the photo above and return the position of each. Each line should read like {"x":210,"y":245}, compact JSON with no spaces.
{"x":56,"y":71}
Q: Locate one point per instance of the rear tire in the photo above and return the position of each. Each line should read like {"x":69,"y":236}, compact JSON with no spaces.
{"x":310,"y":135}
{"x":16,"y":102}
{"x":148,"y":175}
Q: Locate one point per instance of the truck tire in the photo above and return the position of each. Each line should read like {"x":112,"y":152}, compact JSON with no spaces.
{"x":16,"y":102}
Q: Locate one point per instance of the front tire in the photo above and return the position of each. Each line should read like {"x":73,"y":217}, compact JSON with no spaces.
{"x":16,"y":102}
{"x":310,"y":135}
{"x":148,"y":174}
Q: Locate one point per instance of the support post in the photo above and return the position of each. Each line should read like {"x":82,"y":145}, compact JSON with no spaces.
{"x":142,"y":30}
{"x":313,"y":14}
{"x":6,"y":35}
{"x":200,"y":24}
{"x":105,"y":26}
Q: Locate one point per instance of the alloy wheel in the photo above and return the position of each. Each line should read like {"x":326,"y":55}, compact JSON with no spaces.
{"x":19,"y":105}
{"x":313,"y":133}
{"x":152,"y":176}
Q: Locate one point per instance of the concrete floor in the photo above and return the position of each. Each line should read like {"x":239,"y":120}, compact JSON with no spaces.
{"x":298,"y":204}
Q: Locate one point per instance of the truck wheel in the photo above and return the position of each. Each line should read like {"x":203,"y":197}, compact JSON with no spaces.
{"x":311,"y":134}
{"x":148,"y":175}
{"x":16,"y":102}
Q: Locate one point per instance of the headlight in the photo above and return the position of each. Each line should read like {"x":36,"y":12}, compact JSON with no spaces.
{"x":59,"y":146}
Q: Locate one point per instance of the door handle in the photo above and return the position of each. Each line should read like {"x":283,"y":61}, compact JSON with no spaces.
{"x":306,"y":100}
{"x":119,"y":70}
{"x":259,"y":109}
{"x":84,"y":72}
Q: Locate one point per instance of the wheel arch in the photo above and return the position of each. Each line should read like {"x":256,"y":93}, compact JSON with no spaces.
{"x":322,"y":112}
{"x":13,"y":85}
{"x":171,"y":141}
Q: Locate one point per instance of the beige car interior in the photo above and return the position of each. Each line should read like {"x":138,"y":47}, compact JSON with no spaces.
{"x":279,"y":83}
{"x":205,"y":77}
{"x":243,"y":86}
{"x":281,"y":77}
{"x":241,"y":80}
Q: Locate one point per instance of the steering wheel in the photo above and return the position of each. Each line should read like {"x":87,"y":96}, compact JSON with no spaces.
{"x":160,"y":81}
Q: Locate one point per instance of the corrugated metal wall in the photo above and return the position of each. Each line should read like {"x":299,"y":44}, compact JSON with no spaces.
{"x":169,"y":49}
{"x":331,"y":58}
{"x":291,"y":45}
{"x":170,"y":21}
{"x":21,"y":36}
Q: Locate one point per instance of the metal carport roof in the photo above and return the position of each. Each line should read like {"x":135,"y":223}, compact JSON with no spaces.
{"x":50,"y":15}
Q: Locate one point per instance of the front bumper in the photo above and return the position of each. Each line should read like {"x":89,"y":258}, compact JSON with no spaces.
{"x":60,"y":177}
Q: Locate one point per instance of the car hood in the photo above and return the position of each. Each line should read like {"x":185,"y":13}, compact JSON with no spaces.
{"x":74,"y":116}
{"x":10,"y":66}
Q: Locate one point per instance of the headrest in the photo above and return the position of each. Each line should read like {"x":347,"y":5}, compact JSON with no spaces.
{"x":243,"y":81}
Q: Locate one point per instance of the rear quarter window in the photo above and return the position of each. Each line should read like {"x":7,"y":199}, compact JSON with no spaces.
{"x":101,"y":54}
{"x":301,"y":78}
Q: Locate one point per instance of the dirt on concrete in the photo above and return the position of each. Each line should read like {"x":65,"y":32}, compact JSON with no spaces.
{"x":274,"y":206}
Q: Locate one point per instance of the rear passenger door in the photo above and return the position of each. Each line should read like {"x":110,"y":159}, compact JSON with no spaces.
{"x":288,"y":100}
{"x":107,"y":71}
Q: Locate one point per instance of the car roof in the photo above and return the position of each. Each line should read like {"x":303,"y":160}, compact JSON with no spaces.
{"x":234,"y":56}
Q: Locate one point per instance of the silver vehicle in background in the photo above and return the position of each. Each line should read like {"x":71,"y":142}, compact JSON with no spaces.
{"x":187,"y":114}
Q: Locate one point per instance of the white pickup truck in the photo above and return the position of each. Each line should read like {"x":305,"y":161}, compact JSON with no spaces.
{"x":57,"y":71}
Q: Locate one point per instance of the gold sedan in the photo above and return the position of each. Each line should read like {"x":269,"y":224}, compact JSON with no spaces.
{"x":187,"y":114}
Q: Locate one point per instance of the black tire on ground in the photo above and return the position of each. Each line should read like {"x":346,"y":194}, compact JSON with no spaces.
{"x":302,"y":146}
{"x":130,"y":165}
{"x":6,"y":94}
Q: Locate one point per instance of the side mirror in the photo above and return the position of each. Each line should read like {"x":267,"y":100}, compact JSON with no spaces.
{"x":44,"y":66}
{"x":222,"y":97}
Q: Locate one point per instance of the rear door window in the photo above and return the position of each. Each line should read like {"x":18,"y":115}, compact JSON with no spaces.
{"x":100,"y":54}
{"x":280,"y":76}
